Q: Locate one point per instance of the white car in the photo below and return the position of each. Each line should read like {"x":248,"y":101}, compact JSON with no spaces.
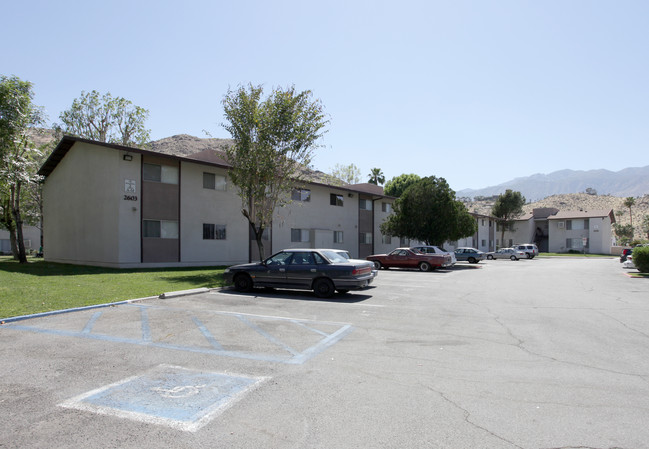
{"x":628,"y":263}
{"x":434,"y":250}
{"x":506,"y":253}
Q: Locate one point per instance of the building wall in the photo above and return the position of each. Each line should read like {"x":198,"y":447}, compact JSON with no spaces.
{"x":80,"y":201}
{"x":320,"y":219}
{"x":383,"y":245}
{"x":598,"y":234}
{"x":523,"y":232}
{"x":31,"y":238}
{"x":200,"y":206}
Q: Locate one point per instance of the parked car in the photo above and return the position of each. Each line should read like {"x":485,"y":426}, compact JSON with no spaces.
{"x":434,"y":250}
{"x":470,"y":255}
{"x":626,"y":252}
{"x":506,"y":253}
{"x":406,"y":258}
{"x":530,"y":249}
{"x":628,"y":263}
{"x":321,"y":270}
{"x":346,"y":255}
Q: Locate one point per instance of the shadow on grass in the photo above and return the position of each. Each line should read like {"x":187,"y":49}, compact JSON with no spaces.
{"x":39,"y":267}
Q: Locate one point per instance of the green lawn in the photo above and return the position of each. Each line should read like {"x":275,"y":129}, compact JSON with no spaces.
{"x":41,"y":286}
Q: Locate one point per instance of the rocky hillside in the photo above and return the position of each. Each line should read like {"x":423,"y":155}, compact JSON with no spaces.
{"x":578,"y":201}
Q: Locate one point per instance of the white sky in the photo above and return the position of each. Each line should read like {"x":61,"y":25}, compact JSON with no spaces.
{"x":476,"y":91}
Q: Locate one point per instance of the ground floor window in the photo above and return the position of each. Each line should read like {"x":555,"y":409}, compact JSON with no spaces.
{"x":299,"y":235}
{"x":213,"y":231}
{"x":161,"y":229}
{"x":386,"y":239}
{"x":365,"y":237}
{"x":338,"y":236}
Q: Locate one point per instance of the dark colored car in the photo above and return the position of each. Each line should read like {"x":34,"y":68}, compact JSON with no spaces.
{"x":468,"y":254}
{"x":323,"y":271}
{"x":406,"y":258}
{"x":626,"y":252}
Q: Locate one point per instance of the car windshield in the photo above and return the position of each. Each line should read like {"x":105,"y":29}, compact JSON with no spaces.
{"x":334,"y":257}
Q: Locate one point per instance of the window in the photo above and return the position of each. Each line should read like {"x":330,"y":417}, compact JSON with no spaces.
{"x":577,"y":244}
{"x":299,"y":235}
{"x":213,"y":182}
{"x":576,"y":225}
{"x":404,"y":241}
{"x":387,"y":239}
{"x":161,"y":229}
{"x":365,"y":237}
{"x":301,"y":195}
{"x":335,"y":199}
{"x":213,"y":231}
{"x":483,"y":222}
{"x":386,"y":207}
{"x":338,"y":236}
{"x":365,"y":204}
{"x":160,"y":173}
{"x":483,"y":243}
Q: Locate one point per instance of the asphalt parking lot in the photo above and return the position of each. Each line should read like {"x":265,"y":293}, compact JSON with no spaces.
{"x":542,"y":353}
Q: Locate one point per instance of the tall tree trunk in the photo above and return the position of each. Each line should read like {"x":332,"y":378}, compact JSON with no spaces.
{"x":15,"y":209}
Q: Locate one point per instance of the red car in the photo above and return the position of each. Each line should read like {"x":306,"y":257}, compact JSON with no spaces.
{"x":405,"y":258}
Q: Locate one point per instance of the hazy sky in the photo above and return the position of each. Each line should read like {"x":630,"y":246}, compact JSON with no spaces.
{"x":478,"y":92}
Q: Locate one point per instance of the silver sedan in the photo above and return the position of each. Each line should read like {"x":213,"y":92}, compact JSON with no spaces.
{"x":506,"y":253}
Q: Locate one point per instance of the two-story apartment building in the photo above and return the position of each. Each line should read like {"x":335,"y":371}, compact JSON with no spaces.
{"x":117,"y":206}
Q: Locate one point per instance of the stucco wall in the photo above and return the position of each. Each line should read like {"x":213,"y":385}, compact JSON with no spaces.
{"x":80,"y":201}
{"x":198,"y":206}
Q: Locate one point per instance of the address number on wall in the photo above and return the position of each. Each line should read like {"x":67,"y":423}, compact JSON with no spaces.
{"x":130,"y":198}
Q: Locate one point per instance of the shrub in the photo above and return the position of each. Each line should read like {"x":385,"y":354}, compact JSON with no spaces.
{"x":641,"y":258}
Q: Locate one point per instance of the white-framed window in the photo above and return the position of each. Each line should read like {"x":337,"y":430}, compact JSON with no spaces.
{"x":576,"y":225}
{"x":365,"y":237}
{"x":338,"y":237}
{"x":213,"y":231}
{"x":303,"y":195}
{"x":160,"y":173}
{"x":386,"y":207}
{"x":161,"y":229}
{"x":404,"y":241}
{"x":577,"y":244}
{"x":365,"y":204}
{"x":299,"y":235}
{"x":386,"y":239}
{"x":336,"y":199}
{"x":213,"y":181}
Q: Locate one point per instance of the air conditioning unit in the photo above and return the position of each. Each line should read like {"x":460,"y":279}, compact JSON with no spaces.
{"x":561,"y":224}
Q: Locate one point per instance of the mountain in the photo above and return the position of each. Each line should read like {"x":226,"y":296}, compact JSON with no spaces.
{"x":627,"y":182}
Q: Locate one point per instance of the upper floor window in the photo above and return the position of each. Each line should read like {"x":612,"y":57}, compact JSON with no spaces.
{"x":338,"y":237}
{"x":335,"y":199}
{"x":213,"y":182}
{"x":365,"y":204}
{"x":160,"y":173}
{"x":386,"y":207}
{"x":576,"y":225}
{"x":301,"y":195}
{"x":300,"y":235}
{"x":213,"y":231}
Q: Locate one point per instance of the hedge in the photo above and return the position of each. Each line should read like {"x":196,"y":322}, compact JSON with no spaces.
{"x":641,"y":258}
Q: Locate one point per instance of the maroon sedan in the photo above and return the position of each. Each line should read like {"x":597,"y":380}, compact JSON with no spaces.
{"x":405,"y":258}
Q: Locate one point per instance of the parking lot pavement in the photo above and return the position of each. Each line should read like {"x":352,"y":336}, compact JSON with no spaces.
{"x":538,"y":353}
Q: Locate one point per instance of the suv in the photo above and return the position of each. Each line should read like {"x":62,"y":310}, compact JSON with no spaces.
{"x":530,"y":249}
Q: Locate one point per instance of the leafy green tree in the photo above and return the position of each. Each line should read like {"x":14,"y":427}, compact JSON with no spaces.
{"x":376,"y":177}
{"x":106,"y":119}
{"x":507,"y":208}
{"x":397,"y":185}
{"x":274,"y":138}
{"x":18,"y":157}
{"x":350,"y":174}
{"x":429,"y":212}
{"x":624,"y":232}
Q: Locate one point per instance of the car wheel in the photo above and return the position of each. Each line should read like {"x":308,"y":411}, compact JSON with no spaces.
{"x":490,"y":257}
{"x":424,"y":266}
{"x":342,"y":291}
{"x":527,"y":255}
{"x":472,"y":260}
{"x":514,"y":258}
{"x":323,"y":288}
{"x":243,"y":282}
{"x":378,"y":265}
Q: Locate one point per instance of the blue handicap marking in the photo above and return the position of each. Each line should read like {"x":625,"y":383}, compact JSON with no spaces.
{"x":173,"y":396}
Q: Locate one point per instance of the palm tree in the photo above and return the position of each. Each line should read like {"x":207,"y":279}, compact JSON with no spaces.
{"x":630,"y":202}
{"x":376,"y":177}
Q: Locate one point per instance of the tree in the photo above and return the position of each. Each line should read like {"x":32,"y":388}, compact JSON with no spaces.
{"x":630,"y":202}
{"x":350,"y":174}
{"x":508,"y":207}
{"x":397,"y":185}
{"x":645,"y":225}
{"x":624,"y":232}
{"x":429,"y":212}
{"x":274,"y":138}
{"x":17,"y":155}
{"x":106,"y":119}
{"x":376,"y":177}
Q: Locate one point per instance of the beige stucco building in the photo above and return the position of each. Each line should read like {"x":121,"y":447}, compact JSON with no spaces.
{"x":116,"y":206}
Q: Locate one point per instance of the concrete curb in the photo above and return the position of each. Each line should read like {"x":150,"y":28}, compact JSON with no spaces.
{"x":193,"y":291}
